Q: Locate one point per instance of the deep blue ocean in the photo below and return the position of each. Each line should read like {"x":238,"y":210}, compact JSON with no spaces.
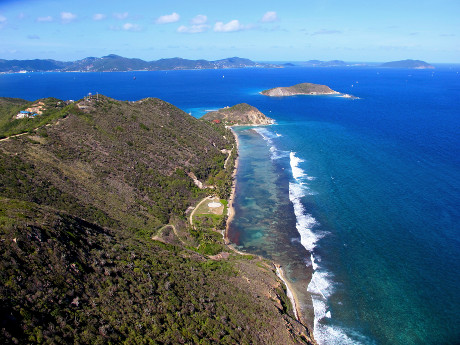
{"x":358,"y":199}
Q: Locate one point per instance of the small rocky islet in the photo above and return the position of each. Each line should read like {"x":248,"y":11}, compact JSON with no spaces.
{"x":304,"y":89}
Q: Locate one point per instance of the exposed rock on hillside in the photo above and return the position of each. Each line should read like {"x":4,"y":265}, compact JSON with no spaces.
{"x":240,"y":114}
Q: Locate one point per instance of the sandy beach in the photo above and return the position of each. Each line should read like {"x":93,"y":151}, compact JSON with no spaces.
{"x":231,"y":210}
{"x":290,"y":292}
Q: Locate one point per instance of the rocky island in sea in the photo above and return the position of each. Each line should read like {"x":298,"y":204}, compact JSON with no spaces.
{"x":413,"y":64}
{"x":300,"y":89}
{"x":241,"y":114}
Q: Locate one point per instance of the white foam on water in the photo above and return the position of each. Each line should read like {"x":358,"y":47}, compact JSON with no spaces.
{"x":304,"y":221}
{"x":313,"y":263}
{"x":297,"y":172}
{"x":277,"y":154}
{"x":266,"y":133}
{"x":321,"y":284}
{"x":321,"y":288}
{"x":268,"y":136}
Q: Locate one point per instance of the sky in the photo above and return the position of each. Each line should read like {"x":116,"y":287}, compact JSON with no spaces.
{"x":353,"y":30}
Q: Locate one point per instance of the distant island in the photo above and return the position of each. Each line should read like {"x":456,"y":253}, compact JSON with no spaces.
{"x":300,"y":89}
{"x":116,"y":63}
{"x":319,"y":63}
{"x":240,"y":114}
{"x":414,"y":64}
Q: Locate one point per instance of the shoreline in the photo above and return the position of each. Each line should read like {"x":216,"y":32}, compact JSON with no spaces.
{"x":289,"y":291}
{"x":279,"y":271}
{"x":231,"y":199}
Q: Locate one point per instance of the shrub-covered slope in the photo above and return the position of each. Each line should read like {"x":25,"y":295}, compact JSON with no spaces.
{"x":80,"y":199}
{"x":114,"y":162}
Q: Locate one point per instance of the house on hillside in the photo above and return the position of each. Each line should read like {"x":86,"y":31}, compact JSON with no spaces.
{"x":23,"y":114}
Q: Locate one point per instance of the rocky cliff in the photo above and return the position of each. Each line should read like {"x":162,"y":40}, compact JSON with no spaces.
{"x":240,"y":114}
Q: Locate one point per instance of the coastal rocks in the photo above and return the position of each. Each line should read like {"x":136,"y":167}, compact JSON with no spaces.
{"x":241,"y":114}
{"x":300,"y":89}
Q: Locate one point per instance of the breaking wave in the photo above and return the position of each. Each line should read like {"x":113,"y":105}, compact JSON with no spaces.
{"x":268,"y":136}
{"x":321,"y":284}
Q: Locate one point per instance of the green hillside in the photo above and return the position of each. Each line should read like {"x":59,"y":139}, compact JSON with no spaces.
{"x":85,"y":257}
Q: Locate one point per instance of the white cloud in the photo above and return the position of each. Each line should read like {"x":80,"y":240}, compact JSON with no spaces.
{"x":45,"y":19}
{"x":199,"y":20}
{"x":231,"y":26}
{"x":99,"y":16}
{"x":270,"y":16}
{"x":193,"y":29}
{"x":68,"y":17}
{"x":121,"y":16}
{"x":168,"y":18}
{"x":131,"y":27}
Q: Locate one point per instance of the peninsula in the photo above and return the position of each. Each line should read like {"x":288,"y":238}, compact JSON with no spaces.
{"x":241,"y":114}
{"x":99,"y":240}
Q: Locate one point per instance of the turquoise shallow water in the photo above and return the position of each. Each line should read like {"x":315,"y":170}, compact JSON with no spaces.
{"x":368,"y":188}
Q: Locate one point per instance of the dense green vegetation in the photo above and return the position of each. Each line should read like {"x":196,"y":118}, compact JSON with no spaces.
{"x":9,"y":107}
{"x":96,"y":244}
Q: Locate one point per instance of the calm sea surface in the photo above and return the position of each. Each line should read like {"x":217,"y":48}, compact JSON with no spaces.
{"x":359,"y":200}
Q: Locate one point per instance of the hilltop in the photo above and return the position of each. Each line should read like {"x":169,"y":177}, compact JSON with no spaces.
{"x":240,"y":114}
{"x":116,"y":63}
{"x":89,"y":193}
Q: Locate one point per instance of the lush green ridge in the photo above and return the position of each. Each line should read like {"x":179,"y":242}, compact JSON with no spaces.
{"x":81,"y":198}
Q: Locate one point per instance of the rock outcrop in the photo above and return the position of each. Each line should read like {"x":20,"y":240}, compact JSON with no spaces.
{"x":240,"y":114}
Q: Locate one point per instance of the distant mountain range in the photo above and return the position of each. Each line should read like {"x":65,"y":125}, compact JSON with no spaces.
{"x":116,"y":63}
{"x":414,"y":64}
